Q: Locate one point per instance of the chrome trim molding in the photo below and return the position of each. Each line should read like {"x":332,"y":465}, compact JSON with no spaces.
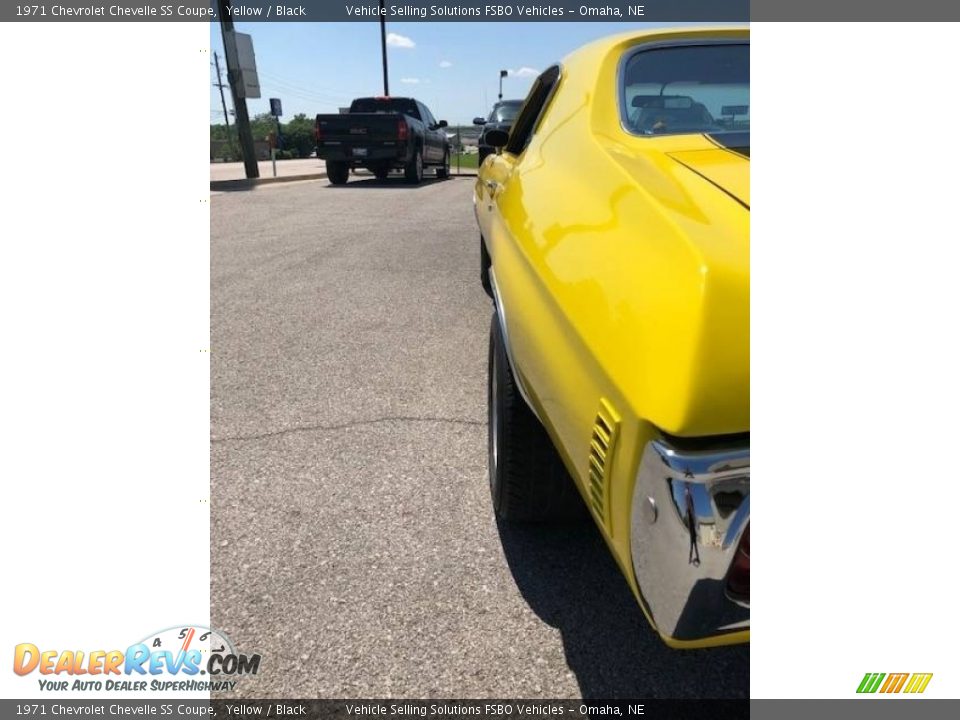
{"x":502,"y":319}
{"x":682,"y":550}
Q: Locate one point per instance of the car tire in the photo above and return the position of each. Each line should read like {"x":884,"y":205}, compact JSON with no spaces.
{"x":413,"y":171}
{"x":481,"y":155}
{"x":338,"y":172}
{"x":443,"y":172}
{"x":485,"y":268}
{"x":528,"y":481}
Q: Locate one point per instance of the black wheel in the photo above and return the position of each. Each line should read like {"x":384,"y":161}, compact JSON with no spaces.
{"x":338,"y":172}
{"x":485,"y":268}
{"x":482,"y":154}
{"x":528,"y":481}
{"x":413,"y":171}
{"x":443,"y":172}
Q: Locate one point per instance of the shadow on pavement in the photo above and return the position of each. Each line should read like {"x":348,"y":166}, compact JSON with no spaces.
{"x":363,"y":180}
{"x":243,"y":184}
{"x":398,"y":182}
{"x":232,"y":185}
{"x":570,"y":580}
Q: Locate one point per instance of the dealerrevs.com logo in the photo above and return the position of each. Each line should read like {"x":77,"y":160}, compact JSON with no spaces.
{"x":894,"y":682}
{"x":181,"y":659}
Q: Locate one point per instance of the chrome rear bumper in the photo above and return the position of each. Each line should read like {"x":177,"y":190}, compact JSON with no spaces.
{"x":690,"y":510}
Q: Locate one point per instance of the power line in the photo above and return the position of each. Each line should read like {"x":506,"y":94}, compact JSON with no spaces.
{"x":301,"y":92}
{"x":226,"y":116}
{"x":292,"y":83}
{"x":304,"y":94}
{"x":307,"y":96}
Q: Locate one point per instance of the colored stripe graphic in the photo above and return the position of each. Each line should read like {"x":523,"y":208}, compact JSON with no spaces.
{"x":870,"y":682}
{"x":895,"y":683}
{"x":918,"y":683}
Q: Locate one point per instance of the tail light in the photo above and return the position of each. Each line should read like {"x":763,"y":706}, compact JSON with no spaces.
{"x":738,"y":579}
{"x":318,"y":132}
{"x":402,"y":130}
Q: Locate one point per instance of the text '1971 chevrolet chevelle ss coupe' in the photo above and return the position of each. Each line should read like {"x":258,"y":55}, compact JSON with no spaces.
{"x":615,"y":227}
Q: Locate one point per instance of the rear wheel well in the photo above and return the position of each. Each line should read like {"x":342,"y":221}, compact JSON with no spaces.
{"x":485,"y":264}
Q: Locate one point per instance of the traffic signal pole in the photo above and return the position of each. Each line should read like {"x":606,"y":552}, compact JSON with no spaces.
{"x":236,"y":82}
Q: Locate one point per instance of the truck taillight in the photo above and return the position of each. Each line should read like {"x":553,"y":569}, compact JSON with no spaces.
{"x":317,"y":132}
{"x":738,"y":579}
{"x":402,"y":130}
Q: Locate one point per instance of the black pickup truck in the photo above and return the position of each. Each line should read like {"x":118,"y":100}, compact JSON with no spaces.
{"x":383,"y":134}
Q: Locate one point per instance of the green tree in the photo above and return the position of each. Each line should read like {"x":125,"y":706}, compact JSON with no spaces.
{"x":298,"y":136}
{"x":224,"y":145}
{"x":262,"y":125}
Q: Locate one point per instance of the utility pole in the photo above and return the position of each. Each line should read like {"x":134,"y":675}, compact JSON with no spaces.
{"x":383,"y":48}
{"x":235,"y":80}
{"x":223,"y":101}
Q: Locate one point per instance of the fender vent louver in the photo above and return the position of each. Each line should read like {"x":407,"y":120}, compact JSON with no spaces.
{"x":602,"y":443}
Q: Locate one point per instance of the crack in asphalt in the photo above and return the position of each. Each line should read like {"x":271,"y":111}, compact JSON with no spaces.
{"x":344,"y":426}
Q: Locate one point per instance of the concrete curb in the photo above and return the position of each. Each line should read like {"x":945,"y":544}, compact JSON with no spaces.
{"x":247,"y":183}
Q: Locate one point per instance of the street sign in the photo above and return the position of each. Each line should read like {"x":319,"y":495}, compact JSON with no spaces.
{"x":248,"y":66}
{"x":276,"y":109}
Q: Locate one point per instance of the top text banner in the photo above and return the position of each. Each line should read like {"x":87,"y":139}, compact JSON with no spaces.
{"x":367,"y":11}
{"x":656,"y":11}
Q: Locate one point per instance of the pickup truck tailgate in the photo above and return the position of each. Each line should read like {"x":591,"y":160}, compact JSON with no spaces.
{"x":359,"y":128}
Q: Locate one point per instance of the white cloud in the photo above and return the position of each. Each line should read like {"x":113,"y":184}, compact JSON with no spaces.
{"x":401,"y":41}
{"x":524,"y":72}
{"x":410,"y":81}
{"x":446,"y":64}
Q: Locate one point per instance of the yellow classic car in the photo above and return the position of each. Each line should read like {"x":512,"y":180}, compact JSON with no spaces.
{"x":615,"y":226}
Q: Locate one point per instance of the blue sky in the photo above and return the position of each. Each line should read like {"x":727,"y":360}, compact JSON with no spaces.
{"x":452,"y":67}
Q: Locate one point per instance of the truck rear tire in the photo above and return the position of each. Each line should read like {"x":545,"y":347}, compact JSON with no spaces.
{"x":413,"y":171}
{"x":338,"y":172}
{"x":528,"y":481}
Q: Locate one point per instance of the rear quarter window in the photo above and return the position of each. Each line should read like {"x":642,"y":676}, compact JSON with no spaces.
{"x":701,"y":87}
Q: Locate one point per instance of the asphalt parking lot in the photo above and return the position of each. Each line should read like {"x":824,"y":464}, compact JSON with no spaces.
{"x":353,"y":543}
